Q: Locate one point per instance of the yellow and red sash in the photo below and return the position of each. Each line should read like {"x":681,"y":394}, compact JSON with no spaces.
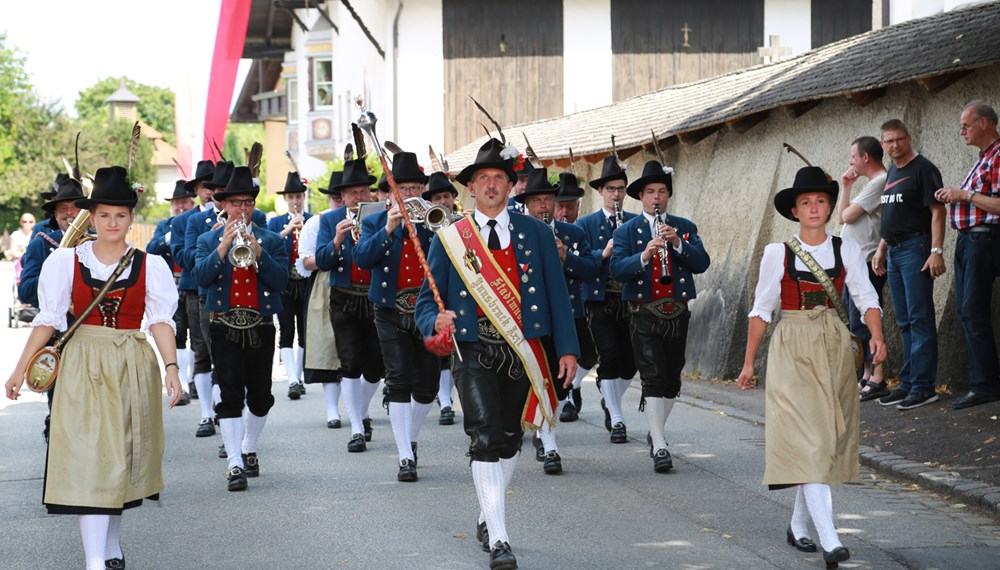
{"x":500,"y":300}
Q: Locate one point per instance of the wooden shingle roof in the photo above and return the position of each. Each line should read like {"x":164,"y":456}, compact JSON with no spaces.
{"x":934,"y":51}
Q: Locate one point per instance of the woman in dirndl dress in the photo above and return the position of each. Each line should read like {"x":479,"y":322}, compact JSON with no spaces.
{"x":812,"y":426}
{"x":106,"y":445}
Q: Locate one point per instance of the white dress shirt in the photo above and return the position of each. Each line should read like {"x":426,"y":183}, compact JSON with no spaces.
{"x":502,"y":226}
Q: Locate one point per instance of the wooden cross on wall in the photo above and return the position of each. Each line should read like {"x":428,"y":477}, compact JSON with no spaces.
{"x":775,"y":52}
{"x":687,"y":30}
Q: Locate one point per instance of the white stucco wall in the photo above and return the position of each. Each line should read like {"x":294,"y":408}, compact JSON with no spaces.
{"x":420,"y":78}
{"x":586,"y":54}
{"x":789,"y":19}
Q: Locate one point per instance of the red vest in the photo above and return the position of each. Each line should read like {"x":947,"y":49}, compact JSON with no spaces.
{"x":410,"y":273}
{"x":507,"y":261}
{"x":661,"y":291}
{"x":799,"y":289}
{"x":295,"y":249}
{"x":122,"y":307}
{"x":243,"y":293}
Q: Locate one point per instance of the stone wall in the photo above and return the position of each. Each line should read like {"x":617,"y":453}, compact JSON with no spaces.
{"x":726,"y":184}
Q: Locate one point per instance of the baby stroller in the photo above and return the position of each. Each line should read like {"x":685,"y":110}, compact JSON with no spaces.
{"x":18,"y":312}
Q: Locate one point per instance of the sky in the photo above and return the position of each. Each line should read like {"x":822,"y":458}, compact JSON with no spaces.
{"x":71,"y":44}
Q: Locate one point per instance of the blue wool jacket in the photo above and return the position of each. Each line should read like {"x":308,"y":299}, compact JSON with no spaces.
{"x":626,"y":263}
{"x":214,"y":275}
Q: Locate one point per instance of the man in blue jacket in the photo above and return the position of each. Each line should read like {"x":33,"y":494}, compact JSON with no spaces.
{"x":62,"y":211}
{"x":501,"y":282}
{"x":242,"y":302}
{"x":656,"y":255}
{"x":411,"y":372}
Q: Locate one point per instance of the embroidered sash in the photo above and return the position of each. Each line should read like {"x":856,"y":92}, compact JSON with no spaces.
{"x":500,"y":300}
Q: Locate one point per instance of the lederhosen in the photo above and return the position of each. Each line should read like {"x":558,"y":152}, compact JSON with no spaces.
{"x":410,"y":369}
{"x":242,"y":349}
{"x":106,"y":444}
{"x":609,"y":327}
{"x":294,"y":302}
{"x":180,"y":315}
{"x":659,"y":336}
{"x":353,"y":318}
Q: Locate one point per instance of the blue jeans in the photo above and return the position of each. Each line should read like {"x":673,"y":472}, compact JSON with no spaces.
{"x":976,"y":266}
{"x":912,"y":293}
{"x":856,"y":321}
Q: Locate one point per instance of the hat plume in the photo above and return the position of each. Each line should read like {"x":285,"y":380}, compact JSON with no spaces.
{"x":503,"y":139}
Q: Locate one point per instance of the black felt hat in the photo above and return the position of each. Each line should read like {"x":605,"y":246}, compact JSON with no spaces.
{"x":538,"y":184}
{"x":335,"y":178}
{"x":652,"y":172}
{"x":240,"y":184}
{"x":807,"y":179}
{"x":60,"y":178}
{"x":405,"y":168}
{"x":488,"y":157}
{"x":202,"y":173}
{"x":383,"y":183}
{"x":610,"y":170}
{"x":69,"y":190}
{"x":569,"y":188}
{"x":355,"y":174}
{"x":220,"y":175}
{"x":180,"y":192}
{"x":526,"y":169}
{"x":111,"y":187}
{"x":293,"y":185}
{"x":437,"y":183}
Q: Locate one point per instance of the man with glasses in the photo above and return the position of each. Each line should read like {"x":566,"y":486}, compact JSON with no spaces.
{"x":974,"y":209}
{"x":241,"y":302}
{"x":607,"y":314}
{"x":411,"y":371}
{"x":910,"y":253}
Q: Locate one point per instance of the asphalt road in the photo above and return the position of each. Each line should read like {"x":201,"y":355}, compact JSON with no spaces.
{"x":317,"y":506}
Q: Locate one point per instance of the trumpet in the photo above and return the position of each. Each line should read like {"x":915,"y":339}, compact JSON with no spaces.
{"x":619,"y":217}
{"x":241,"y":254}
{"x":665,"y":277}
{"x":434,"y":217}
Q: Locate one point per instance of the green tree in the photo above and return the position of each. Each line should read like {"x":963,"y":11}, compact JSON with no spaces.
{"x":155,"y":108}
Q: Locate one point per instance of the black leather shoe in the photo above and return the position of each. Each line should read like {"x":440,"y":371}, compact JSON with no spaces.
{"x":577,"y":399}
{"x":115,"y":564}
{"x":804,"y":544}
{"x":237,"y":479}
{"x":836,"y":556}
{"x":553,"y":463}
{"x":250,"y":465}
{"x":205,"y":428}
{"x":607,"y":416}
{"x":295,"y":391}
{"x":333,"y":424}
{"x":662,"y":461}
{"x":447,"y":416}
{"x":501,"y":557}
{"x":407,"y":471}
{"x":618,"y":433}
{"x":367,"y":422}
{"x":569,"y":413}
{"x":973,"y":399}
{"x":222,"y":451}
{"x":357,"y":443}
{"x":185,"y":399}
{"x":413,"y":448}
{"x":539,"y":448}
{"x":193,"y":390}
{"x":483,"y":536}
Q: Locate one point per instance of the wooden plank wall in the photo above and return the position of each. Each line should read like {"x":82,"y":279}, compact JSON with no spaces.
{"x":834,"y":20}
{"x":647,"y":41}
{"x":523,"y":83}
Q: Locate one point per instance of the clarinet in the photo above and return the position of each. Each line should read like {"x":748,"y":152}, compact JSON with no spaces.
{"x":548,"y":221}
{"x":619,"y":217}
{"x":665,"y":277}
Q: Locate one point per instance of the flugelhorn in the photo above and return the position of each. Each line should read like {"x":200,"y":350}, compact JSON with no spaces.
{"x":241,"y":254}
{"x":665,"y":277}
{"x":434,"y":217}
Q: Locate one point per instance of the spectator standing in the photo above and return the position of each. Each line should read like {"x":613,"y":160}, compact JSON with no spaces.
{"x":20,"y":237}
{"x":973,"y":210}
{"x":912,"y":230}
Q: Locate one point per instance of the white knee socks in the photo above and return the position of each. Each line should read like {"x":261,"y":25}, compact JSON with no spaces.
{"x":581,"y":373}
{"x":352,"y":399}
{"x":232,"y":437}
{"x":418,"y":415}
{"x":400,"y":415}
{"x":368,"y":390}
{"x":331,"y":391}
{"x":203,"y":382}
{"x":113,"y":546}
{"x":300,"y":362}
{"x":800,"y":515}
{"x":820,"y":504}
{"x":184,"y":367}
{"x":491,"y":491}
{"x":94,"y":532}
{"x":255,"y":425}
{"x":288,"y":361}
{"x":613,"y":398}
{"x":657,"y":411}
{"x":216,"y":394}
{"x":547,"y":433}
{"x":444,"y":391}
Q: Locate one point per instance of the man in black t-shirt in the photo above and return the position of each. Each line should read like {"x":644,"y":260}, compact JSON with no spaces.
{"x":910,"y":252}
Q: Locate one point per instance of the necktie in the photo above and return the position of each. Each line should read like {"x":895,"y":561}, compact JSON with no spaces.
{"x":613,"y":222}
{"x":493,"y":241}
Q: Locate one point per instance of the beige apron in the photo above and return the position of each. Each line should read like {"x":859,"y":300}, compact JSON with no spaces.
{"x":106,"y":433}
{"x":319,"y":331}
{"x":812,"y":410}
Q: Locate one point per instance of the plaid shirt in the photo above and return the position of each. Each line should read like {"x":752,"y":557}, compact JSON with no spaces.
{"x":984,"y":178}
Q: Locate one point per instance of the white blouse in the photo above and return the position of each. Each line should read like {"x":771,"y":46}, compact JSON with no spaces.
{"x":55,"y":286}
{"x":307,"y":242}
{"x":767,"y":297}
